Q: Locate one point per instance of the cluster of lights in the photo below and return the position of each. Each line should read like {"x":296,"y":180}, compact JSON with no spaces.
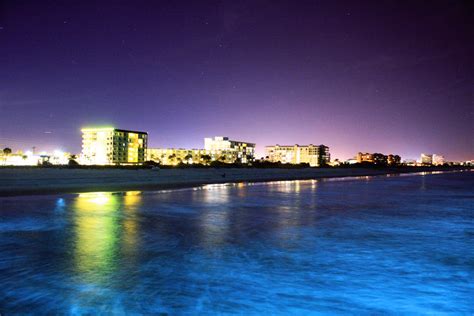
{"x":28,"y":158}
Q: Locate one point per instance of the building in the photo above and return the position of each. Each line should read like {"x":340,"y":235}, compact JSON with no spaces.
{"x":365,"y":157}
{"x":314,"y":155}
{"x":351,"y":161}
{"x":108,"y":146}
{"x":216,"y":149}
{"x":229,"y":151}
{"x":438,"y":160}
{"x":394,"y":160}
{"x":378,"y":159}
{"x":426,"y":159}
{"x":410,"y":162}
{"x":335,"y":163}
{"x":27,"y":158}
{"x":17,"y":159}
{"x":175,"y":156}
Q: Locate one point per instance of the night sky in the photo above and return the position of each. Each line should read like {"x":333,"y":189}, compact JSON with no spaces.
{"x":381,"y":76}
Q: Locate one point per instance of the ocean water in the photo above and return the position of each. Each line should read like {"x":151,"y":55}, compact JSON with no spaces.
{"x":368,"y":245}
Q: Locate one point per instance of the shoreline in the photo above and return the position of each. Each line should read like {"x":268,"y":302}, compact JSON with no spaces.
{"x":25,"y":182}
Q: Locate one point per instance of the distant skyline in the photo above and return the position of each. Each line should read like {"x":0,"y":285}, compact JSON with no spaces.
{"x":370,"y":76}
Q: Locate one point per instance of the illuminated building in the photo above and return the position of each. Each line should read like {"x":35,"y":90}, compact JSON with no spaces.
{"x":296,"y":154}
{"x":216,"y":149}
{"x":351,"y":161}
{"x":335,"y":163}
{"x":108,"y":145}
{"x":393,"y":159}
{"x":29,"y":159}
{"x":229,"y":151}
{"x":378,"y":159}
{"x":17,"y":159}
{"x":438,"y":160}
{"x":426,"y":159}
{"x":365,"y":157}
{"x":175,"y":156}
{"x":410,"y":162}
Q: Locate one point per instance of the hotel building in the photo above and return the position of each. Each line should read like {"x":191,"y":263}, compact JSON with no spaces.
{"x":108,"y":146}
{"x":295,"y":154}
{"x":229,"y":151}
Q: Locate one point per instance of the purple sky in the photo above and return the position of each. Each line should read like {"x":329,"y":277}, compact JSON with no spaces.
{"x":380,"y":76}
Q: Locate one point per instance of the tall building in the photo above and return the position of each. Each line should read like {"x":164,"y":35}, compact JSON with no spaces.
{"x":295,"y":154}
{"x":226,"y":150}
{"x":108,"y":145}
{"x":426,"y":159}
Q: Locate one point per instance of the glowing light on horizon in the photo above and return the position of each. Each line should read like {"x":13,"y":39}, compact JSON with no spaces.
{"x":96,"y":129}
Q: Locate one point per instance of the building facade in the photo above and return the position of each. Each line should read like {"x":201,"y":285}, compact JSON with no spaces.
{"x":378,"y":159}
{"x":365,"y":157}
{"x":438,"y":160}
{"x":175,"y":156}
{"x":426,"y":159}
{"x":314,"y":155}
{"x":394,"y":160}
{"x":109,"y":146}
{"x":229,"y":151}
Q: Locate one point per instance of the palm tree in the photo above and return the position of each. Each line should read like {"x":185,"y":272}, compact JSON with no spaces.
{"x":7,"y":151}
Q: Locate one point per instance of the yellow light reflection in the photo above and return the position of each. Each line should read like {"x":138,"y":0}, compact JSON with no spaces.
{"x":96,"y":226}
{"x":132,"y":198}
{"x":131,"y":201}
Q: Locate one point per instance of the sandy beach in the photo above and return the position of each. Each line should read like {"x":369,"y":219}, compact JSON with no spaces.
{"x":31,"y":181}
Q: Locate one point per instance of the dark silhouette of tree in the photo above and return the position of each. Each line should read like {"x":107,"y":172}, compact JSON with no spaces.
{"x":151,"y":163}
{"x":206,"y":159}
{"x":73,"y":163}
{"x":7,"y":151}
{"x":172,"y":158}
{"x":188,"y":157}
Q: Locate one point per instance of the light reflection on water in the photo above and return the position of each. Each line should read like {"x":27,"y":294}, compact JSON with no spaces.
{"x":353,"y":246}
{"x":214,"y":219}
{"x":96,"y":230}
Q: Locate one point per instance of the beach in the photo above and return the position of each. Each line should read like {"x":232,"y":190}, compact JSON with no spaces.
{"x":32,"y":181}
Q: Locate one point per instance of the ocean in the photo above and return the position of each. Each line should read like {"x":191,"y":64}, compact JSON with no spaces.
{"x":396,"y":244}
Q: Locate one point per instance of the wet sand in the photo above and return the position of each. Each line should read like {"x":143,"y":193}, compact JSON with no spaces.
{"x":32,"y":181}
